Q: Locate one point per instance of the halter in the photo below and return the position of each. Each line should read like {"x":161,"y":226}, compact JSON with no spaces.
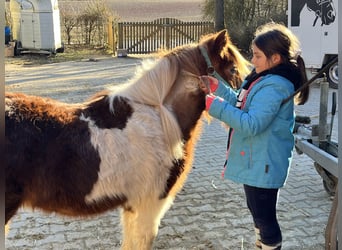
{"x":211,"y":70}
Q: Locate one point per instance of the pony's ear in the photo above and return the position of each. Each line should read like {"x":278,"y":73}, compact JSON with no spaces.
{"x":221,"y":40}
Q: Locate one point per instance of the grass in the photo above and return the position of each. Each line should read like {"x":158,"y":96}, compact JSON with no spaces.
{"x":71,"y":53}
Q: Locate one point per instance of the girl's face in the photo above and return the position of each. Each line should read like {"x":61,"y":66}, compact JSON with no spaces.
{"x":261,"y":62}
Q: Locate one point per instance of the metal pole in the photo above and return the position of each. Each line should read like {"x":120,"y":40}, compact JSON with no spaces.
{"x":2,"y":125}
{"x":323,"y":114}
{"x":339,"y":207}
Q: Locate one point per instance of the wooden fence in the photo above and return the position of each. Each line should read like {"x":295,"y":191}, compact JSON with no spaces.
{"x":164,"y":33}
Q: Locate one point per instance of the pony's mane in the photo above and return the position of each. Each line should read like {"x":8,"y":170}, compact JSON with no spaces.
{"x":243,"y":65}
{"x":155,"y":78}
{"x":150,"y":86}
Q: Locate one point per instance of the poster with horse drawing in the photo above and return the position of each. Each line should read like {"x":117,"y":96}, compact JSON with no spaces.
{"x":323,"y":10}
{"x":315,"y":24}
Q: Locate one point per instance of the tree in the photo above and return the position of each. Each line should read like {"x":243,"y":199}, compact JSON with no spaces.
{"x":69,"y":15}
{"x":241,"y":18}
{"x":219,"y":15}
{"x":93,"y":17}
{"x":85,"y":23}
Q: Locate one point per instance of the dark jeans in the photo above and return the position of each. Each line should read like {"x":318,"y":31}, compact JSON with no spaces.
{"x":262,"y":205}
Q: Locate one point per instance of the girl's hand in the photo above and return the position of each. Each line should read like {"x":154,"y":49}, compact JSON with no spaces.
{"x":208,"y":84}
{"x":209,"y":100}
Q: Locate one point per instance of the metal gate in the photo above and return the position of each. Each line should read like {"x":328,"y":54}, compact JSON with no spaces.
{"x":163,"y":33}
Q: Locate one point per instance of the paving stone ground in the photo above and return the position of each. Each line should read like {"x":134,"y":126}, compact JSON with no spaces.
{"x":208,"y":213}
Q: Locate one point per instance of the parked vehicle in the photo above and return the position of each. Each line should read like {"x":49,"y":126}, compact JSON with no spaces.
{"x":36,"y":26}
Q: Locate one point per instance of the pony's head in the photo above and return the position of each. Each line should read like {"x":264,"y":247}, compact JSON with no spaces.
{"x":223,"y":59}
{"x":214,"y":55}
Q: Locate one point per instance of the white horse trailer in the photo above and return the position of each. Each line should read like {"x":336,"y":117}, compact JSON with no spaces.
{"x":36,"y":25}
{"x":315,"y":22}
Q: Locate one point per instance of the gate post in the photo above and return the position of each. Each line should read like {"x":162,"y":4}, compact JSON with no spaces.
{"x":111,"y":30}
{"x":121,"y":52}
{"x":120,"y":31}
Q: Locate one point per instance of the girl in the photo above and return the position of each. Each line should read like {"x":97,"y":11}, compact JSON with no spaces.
{"x":260,"y":142}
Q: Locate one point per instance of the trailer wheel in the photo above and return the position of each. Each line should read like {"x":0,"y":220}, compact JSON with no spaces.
{"x":61,"y":49}
{"x":332,"y":76}
{"x":17,"y":48}
{"x":329,"y":180}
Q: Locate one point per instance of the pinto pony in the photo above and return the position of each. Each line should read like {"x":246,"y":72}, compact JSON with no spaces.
{"x":131,"y":147}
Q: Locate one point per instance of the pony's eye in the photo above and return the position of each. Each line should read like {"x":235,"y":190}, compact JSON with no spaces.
{"x":331,"y":14}
{"x":233,"y":70}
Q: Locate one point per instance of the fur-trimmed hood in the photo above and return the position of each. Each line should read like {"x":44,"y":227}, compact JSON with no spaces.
{"x":289,"y":71}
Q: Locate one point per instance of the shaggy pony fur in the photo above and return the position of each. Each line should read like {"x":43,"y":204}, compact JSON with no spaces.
{"x":130,"y":147}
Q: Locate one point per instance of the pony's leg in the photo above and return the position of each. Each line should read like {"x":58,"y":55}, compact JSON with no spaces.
{"x":13,"y":200}
{"x":141,"y":226}
{"x":128,"y":218}
{"x":6,"y":228}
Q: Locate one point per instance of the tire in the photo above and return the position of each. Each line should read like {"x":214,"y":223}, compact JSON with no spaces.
{"x":329,"y":180}
{"x":61,"y":49}
{"x":17,"y":48}
{"x":332,"y":75}
{"x":329,"y":187}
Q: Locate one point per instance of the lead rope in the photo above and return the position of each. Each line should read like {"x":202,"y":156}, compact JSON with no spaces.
{"x":212,"y":72}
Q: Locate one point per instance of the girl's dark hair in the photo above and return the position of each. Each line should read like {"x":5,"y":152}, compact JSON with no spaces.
{"x":273,"y":38}
{"x":303,"y":95}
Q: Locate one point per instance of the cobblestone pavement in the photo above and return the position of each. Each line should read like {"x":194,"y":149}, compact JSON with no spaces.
{"x":208,"y":213}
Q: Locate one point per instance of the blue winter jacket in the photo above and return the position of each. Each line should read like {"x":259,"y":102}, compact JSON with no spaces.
{"x":261,"y":139}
